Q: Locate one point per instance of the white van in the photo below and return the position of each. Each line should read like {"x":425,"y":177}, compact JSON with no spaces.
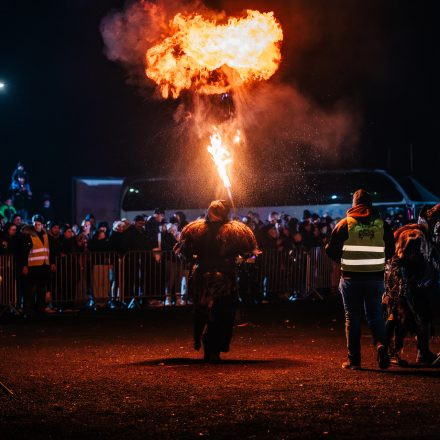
{"x":322,"y":192}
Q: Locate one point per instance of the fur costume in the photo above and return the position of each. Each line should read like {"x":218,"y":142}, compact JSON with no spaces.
{"x":233,"y":238}
{"x":213,"y":244}
{"x":410,"y":283}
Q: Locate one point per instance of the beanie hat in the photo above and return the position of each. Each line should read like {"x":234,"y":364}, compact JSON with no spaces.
{"x":53,"y":223}
{"x":362,"y":197}
{"x":37,"y":218}
{"x":218,"y":211}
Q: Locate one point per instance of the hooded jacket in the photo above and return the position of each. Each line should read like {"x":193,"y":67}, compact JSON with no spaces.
{"x":363,"y":214}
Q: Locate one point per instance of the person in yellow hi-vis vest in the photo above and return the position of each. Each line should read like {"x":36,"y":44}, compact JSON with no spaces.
{"x":361,"y":243}
{"x":37,"y":265}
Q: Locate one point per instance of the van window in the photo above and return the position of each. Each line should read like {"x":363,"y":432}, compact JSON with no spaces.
{"x":317,"y":189}
{"x":277,"y":190}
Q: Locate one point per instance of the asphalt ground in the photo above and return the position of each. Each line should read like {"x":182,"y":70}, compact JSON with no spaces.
{"x":135,"y":375}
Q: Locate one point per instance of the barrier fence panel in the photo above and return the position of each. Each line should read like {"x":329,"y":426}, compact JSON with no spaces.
{"x":154,"y":275}
{"x":297,"y":273}
{"x":81,"y":277}
{"x":159,"y":277}
{"x":8,"y":290}
{"x":325,"y":273}
{"x":283,"y":273}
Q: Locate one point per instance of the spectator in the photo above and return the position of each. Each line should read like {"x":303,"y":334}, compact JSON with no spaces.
{"x":86,"y":229}
{"x":285,"y":242}
{"x":7,"y":210}
{"x":18,"y":221}
{"x":306,"y":215}
{"x":152,"y":227}
{"x":306,"y":230}
{"x":100,"y":242}
{"x":181,"y":220}
{"x":37,"y":263}
{"x":10,"y":243}
{"x":104,"y":227}
{"x":135,"y":237}
{"x":19,"y":172}
{"x":46,"y":209}
{"x":68,"y":244}
{"x":270,"y":237}
{"x":169,"y":236}
{"x":55,"y":239}
{"x":318,"y":238}
{"x":81,"y":242}
{"x":117,"y":236}
{"x":298,"y":240}
{"x":91,"y":218}
{"x":21,"y":196}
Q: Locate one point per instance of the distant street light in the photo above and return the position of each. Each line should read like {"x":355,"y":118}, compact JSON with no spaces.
{"x":2,"y":85}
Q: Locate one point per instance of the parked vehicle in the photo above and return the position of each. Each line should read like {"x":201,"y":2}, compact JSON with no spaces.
{"x":322,"y":192}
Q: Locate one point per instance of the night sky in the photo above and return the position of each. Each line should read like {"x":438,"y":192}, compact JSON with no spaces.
{"x":68,"y":111}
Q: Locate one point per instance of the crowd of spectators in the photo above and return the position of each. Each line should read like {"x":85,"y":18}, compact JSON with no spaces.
{"x":17,"y":200}
{"x":280,"y":231}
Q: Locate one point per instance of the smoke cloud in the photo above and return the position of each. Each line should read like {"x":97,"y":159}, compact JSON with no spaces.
{"x":129,"y":33}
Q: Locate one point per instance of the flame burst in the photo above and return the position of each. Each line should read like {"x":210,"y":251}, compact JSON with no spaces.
{"x":212,"y":58}
{"x":221,"y":156}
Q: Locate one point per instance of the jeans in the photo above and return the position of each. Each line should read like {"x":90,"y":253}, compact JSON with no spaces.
{"x":358,"y":295}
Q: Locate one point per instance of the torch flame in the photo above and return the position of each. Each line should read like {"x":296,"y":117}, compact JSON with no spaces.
{"x":212,"y":58}
{"x":221,"y":156}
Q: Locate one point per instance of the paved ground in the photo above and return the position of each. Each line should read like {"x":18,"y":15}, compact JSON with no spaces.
{"x":135,"y":375}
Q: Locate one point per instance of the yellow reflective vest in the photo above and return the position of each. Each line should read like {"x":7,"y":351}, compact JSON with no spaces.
{"x":364,"y":251}
{"x":39,"y":254}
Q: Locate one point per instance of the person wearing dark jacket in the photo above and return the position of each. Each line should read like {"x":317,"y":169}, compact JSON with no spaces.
{"x":99,"y":242}
{"x":9,"y":241}
{"x":55,"y":239}
{"x":68,"y":243}
{"x":411,"y":285}
{"x":153,"y":227}
{"x":361,"y":243}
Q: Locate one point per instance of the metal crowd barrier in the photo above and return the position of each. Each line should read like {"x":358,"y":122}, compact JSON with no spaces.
{"x":298,"y":273}
{"x":324,"y":273}
{"x":86,"y":277}
{"x":160,"y":278}
{"x":8,"y":289}
{"x":132,"y":279}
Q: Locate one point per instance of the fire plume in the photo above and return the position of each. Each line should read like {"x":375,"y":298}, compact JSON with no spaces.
{"x":211,"y":58}
{"x":221,"y":156}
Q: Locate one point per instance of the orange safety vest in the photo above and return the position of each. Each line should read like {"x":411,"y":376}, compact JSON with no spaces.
{"x":39,"y":254}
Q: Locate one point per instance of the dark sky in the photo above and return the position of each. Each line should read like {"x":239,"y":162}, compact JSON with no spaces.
{"x":69,"y":111}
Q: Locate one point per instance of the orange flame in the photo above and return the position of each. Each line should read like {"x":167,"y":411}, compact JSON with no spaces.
{"x":212,"y":58}
{"x":221,"y":156}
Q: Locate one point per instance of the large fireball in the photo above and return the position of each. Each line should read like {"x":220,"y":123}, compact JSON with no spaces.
{"x":211,"y":58}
